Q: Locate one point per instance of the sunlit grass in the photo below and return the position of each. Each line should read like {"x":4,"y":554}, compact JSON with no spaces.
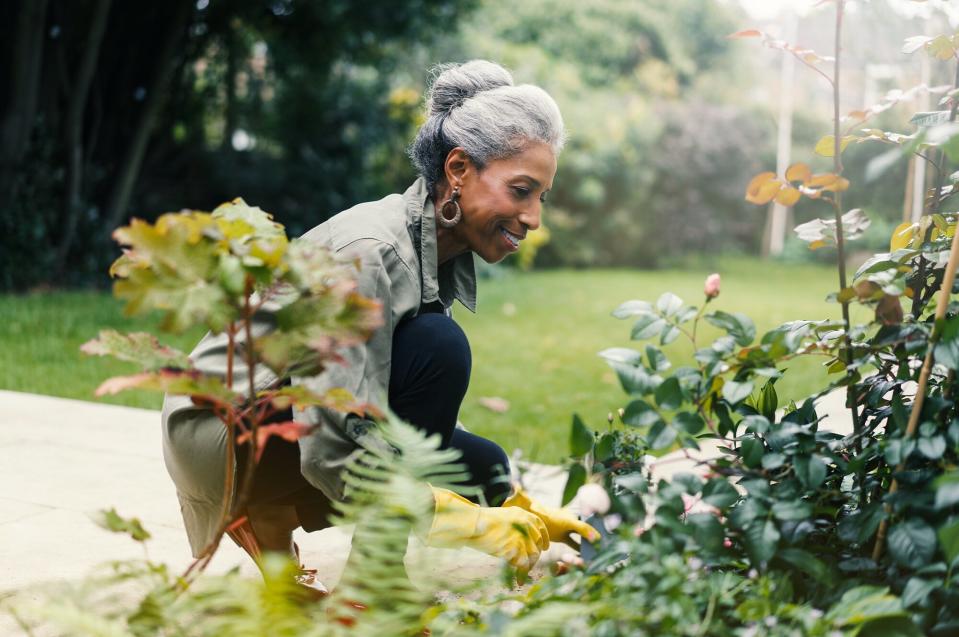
{"x":534,"y":341}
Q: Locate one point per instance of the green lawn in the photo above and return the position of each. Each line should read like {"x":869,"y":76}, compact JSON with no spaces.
{"x":534,"y":341}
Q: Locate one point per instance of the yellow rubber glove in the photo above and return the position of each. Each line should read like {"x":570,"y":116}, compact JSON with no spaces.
{"x":559,"y":522}
{"x":513,"y":534}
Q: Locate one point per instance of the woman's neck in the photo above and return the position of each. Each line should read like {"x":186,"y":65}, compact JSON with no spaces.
{"x":448,"y":246}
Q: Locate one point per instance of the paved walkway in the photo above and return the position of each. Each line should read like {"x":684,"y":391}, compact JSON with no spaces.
{"x":62,"y":460}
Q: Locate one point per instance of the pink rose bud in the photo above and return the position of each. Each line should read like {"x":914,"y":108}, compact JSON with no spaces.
{"x":711,"y":287}
{"x":592,"y":498}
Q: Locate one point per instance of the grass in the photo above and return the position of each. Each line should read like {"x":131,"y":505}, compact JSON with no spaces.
{"x":534,"y":341}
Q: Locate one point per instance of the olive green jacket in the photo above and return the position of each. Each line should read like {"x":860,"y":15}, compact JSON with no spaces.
{"x":394,"y":240}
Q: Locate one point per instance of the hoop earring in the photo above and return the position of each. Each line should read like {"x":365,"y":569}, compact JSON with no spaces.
{"x":457,"y":212}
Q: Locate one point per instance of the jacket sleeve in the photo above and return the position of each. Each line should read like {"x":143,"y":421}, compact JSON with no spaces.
{"x":364,"y":372}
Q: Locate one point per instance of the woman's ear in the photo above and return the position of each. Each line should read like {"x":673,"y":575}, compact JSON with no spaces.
{"x":458,"y":167}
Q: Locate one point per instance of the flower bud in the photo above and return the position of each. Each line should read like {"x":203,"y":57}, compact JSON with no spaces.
{"x":711,"y":287}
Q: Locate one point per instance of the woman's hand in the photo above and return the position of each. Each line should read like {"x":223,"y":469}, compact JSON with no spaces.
{"x":560,"y":523}
{"x":514,"y":534}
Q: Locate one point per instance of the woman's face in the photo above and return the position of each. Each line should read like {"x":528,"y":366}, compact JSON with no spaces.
{"x":504,"y":201}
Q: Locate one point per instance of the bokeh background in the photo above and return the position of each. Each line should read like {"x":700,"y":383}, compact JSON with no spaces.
{"x":305,"y":107}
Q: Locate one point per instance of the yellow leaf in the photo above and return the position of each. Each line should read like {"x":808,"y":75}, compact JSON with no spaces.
{"x":788,"y":196}
{"x":827,"y":145}
{"x":941,"y":47}
{"x":798,"y":172}
{"x":815,"y":245}
{"x":766,"y":193}
{"x":901,"y":236}
{"x":839,"y":185}
{"x":822,"y":180}
{"x":762,"y":188}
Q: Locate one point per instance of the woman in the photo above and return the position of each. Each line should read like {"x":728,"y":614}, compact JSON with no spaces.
{"x":486,"y":156}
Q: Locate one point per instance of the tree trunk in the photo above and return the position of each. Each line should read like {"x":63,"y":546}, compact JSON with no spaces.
{"x":74,"y":133}
{"x":17,"y":124}
{"x":133,"y":157}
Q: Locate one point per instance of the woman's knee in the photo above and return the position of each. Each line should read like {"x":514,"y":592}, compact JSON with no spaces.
{"x":439,"y":342}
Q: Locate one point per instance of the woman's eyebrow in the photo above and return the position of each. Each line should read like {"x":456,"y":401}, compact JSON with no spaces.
{"x":533,"y":181}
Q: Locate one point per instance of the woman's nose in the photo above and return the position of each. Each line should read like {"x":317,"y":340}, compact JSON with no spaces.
{"x":530,"y":216}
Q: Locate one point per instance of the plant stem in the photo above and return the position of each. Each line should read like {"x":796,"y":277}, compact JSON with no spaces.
{"x":945,"y":292}
{"x":851,"y":399}
{"x":917,"y":301}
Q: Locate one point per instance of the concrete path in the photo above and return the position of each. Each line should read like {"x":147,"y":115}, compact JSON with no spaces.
{"x":62,"y":460}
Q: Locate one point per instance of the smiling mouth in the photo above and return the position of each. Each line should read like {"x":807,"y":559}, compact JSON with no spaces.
{"x":511,"y":239}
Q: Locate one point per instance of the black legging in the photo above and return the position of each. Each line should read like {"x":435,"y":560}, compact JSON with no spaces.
{"x":429,"y":375}
{"x":428,"y":379}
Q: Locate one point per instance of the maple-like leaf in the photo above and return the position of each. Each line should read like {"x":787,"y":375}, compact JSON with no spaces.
{"x":202,"y":387}
{"x":139,"y":347}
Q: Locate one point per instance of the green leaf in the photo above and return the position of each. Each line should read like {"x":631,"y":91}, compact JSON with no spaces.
{"x":762,"y":537}
{"x":947,"y":349}
{"x":633,"y":482}
{"x":707,"y":531}
{"x":639,"y":413}
{"x":933,"y":448}
{"x":580,"y":438}
{"x":751,"y":451}
{"x":746,"y":513}
{"x":669,"y":395}
{"x":810,"y":470}
{"x":755,"y":423}
{"x":807,"y":563}
{"x":605,"y":449}
{"x":735,"y":392}
{"x":139,"y":347}
{"x":632,"y":308}
{"x":719,"y":493}
{"x":657,"y":360}
{"x":917,"y":590}
{"x":773,"y":460}
{"x":669,"y":304}
{"x":864,"y":603}
{"x":661,"y":435}
{"x":858,"y":527}
{"x":622,"y":355}
{"x":899,"y":626}
{"x":636,"y":380}
{"x":574,"y":480}
{"x":947,"y":490}
{"x":110,"y":520}
{"x":792,"y":510}
{"x":949,"y":539}
{"x":912,"y":543}
{"x":669,"y":334}
{"x":690,"y":422}
{"x":768,"y":401}
{"x":737,"y":325}
{"x":646,"y":326}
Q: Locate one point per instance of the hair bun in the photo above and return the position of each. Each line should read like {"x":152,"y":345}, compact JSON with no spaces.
{"x":453,"y":84}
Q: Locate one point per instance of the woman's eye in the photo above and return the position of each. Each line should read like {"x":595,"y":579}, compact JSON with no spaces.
{"x":521,"y":191}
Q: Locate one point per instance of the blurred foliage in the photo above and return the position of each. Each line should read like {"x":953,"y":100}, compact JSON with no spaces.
{"x":306,"y":108}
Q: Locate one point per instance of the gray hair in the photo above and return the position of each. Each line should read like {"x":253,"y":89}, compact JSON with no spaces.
{"x":476,"y":106}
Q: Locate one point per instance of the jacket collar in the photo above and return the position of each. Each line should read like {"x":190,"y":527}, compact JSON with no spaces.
{"x":455,"y":279}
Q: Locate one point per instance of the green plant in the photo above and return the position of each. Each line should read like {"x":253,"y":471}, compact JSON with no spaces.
{"x":225,"y":270}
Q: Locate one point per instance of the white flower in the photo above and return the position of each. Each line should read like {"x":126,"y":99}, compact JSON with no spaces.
{"x":592,"y":499}
{"x":612,"y":521}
